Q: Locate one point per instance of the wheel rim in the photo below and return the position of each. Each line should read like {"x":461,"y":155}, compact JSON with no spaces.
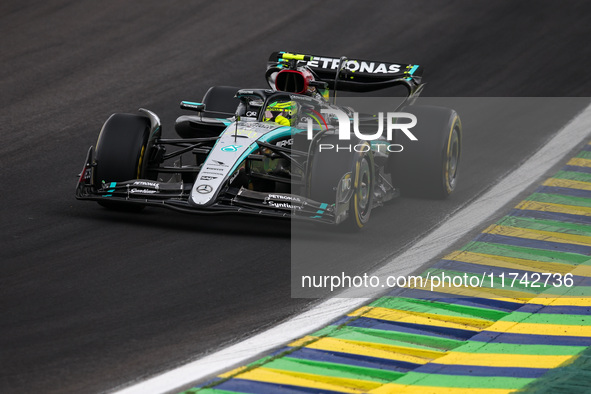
{"x":452,"y":159}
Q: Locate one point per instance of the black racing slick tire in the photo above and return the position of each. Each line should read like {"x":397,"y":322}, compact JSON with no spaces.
{"x":327,"y":169}
{"x":221,"y":100}
{"x":429,"y":166}
{"x":362,"y":200}
{"x":120,"y":154}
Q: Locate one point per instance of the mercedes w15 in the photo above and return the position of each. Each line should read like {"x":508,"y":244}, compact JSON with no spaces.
{"x":287,"y":150}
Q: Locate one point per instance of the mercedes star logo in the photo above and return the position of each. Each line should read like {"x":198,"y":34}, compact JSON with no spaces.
{"x":204,"y":189}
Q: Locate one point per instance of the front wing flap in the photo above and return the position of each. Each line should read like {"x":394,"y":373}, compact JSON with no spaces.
{"x":175,"y":195}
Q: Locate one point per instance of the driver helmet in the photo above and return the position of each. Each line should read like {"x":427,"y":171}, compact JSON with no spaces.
{"x":284,"y":113}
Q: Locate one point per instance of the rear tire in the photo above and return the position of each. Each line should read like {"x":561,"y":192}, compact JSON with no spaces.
{"x":221,"y":99}
{"x":219,"y":103}
{"x":120,"y":152}
{"x":428,"y":167}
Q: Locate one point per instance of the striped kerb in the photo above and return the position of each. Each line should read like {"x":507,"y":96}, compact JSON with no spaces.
{"x":488,"y":339}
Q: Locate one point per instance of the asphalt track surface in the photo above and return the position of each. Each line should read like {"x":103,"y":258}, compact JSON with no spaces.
{"x":90,"y":299}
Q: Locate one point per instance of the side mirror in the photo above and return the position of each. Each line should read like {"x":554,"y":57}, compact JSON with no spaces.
{"x":190,"y":106}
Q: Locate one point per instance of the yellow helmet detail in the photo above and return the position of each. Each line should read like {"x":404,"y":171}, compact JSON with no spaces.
{"x":285,"y":113}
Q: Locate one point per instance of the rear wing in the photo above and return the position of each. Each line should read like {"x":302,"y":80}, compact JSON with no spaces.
{"x":352,"y":75}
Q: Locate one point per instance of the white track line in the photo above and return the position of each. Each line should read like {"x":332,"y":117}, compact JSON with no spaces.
{"x":427,"y":248}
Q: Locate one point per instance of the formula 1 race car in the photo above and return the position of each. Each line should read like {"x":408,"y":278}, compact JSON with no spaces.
{"x":284,"y":151}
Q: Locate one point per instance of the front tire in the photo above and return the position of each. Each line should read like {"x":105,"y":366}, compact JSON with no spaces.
{"x":361,"y":203}
{"x":327,"y":170}
{"x":120,"y":154}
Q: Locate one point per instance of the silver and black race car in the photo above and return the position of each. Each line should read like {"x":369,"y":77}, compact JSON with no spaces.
{"x":284,"y":151}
